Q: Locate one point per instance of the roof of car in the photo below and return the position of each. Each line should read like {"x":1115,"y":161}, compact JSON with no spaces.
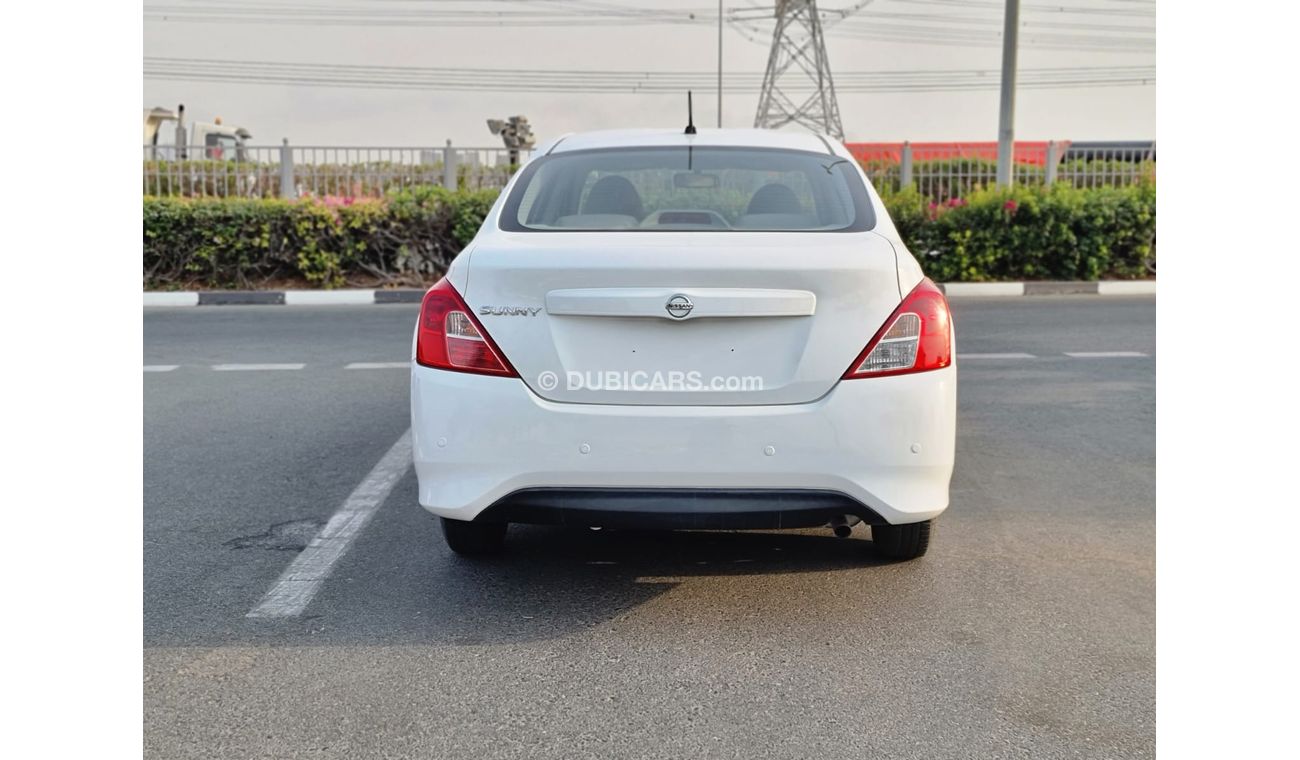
{"x":745,"y":138}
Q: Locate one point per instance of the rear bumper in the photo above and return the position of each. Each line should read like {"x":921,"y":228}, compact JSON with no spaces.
{"x":884,"y":444}
{"x":679,"y":508}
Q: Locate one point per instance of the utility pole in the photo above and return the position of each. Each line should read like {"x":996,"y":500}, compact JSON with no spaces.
{"x":1007,"y":109}
{"x":799,"y":49}
{"x":719,"y":64}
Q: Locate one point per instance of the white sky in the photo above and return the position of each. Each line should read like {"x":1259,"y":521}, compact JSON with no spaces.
{"x":327,"y":116}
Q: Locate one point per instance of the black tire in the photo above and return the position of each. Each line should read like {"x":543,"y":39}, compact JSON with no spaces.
{"x":902,"y":542}
{"x":473,"y":538}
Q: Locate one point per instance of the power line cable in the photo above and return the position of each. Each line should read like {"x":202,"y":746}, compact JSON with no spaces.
{"x":575,"y":81}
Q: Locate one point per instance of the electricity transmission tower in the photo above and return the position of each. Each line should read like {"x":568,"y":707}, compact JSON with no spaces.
{"x":799,"y":54}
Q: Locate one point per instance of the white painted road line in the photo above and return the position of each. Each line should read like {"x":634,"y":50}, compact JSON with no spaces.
{"x":254,"y":367}
{"x":995,"y":356}
{"x":1104,"y":354}
{"x":378,"y":365}
{"x":160,"y":367}
{"x":302,"y":579}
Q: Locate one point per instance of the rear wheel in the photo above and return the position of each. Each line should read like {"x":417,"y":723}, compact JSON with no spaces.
{"x":473,"y":538}
{"x":902,"y":541}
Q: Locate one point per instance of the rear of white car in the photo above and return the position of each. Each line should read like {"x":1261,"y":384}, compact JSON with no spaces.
{"x":718,"y":330}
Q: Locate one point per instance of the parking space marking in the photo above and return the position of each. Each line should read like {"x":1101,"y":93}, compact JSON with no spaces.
{"x":160,"y":367}
{"x":995,"y":356}
{"x":302,"y":579}
{"x":378,"y":365}
{"x":254,"y":367}
{"x":1104,"y":354}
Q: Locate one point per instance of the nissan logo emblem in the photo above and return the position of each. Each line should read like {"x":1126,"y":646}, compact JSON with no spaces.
{"x":679,"y":306}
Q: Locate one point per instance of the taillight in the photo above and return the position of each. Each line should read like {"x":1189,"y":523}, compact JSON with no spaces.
{"x":917,"y":337}
{"x":451,"y":338}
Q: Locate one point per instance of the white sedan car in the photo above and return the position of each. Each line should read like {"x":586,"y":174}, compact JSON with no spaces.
{"x":719,"y":330}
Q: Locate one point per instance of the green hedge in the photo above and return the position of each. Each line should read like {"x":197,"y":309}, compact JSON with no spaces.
{"x":409,"y":237}
{"x":1031,"y":233}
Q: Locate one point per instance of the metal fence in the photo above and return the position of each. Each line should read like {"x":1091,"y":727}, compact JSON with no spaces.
{"x":947,"y":171}
{"x":292,"y":171}
{"x":941,"y":171}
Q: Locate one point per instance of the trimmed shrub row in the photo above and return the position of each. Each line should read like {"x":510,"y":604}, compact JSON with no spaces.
{"x":1031,"y":233}
{"x":409,"y":237}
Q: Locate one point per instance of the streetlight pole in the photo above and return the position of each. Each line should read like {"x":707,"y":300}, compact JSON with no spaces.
{"x":719,"y":64}
{"x":1007,"y":111}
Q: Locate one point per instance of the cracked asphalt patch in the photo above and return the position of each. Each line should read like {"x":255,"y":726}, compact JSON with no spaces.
{"x":293,"y":535}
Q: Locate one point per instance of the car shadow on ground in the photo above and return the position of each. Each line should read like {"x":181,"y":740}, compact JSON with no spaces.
{"x":551,"y":581}
{"x":688,"y":552}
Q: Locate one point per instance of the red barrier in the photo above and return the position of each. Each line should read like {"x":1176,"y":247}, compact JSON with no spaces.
{"x":1026,"y":152}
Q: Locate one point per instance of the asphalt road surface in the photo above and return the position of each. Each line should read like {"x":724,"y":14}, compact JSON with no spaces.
{"x":1027,"y":631}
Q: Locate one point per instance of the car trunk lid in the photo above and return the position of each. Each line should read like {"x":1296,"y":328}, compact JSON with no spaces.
{"x":682,"y":318}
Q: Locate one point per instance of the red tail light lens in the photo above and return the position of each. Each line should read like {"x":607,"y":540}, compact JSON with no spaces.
{"x":917,"y":337}
{"x":451,"y":338}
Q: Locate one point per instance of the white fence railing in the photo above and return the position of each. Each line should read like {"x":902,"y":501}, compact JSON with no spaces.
{"x":292,"y":171}
{"x":941,"y":171}
{"x":947,"y":171}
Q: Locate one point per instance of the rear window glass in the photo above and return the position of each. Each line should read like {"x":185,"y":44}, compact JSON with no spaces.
{"x":704,"y":189}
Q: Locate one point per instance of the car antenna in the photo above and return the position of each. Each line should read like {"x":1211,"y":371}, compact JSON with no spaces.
{"x":690,"y":115}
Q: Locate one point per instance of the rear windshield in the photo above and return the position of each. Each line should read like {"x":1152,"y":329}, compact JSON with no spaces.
{"x":706,"y":189}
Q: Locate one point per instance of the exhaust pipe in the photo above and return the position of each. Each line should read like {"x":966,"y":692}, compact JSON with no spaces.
{"x":841,"y":528}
